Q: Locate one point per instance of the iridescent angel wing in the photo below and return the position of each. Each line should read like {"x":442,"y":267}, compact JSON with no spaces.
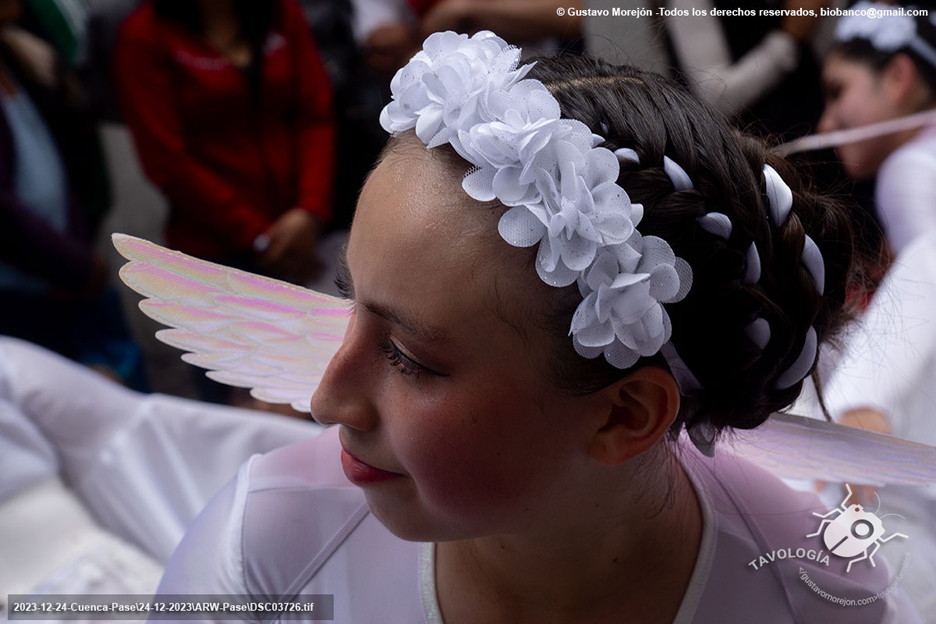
{"x":249,"y":331}
{"x":795,"y":447}
{"x":277,"y":339}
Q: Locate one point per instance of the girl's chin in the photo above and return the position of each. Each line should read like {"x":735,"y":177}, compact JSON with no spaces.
{"x":409,"y":521}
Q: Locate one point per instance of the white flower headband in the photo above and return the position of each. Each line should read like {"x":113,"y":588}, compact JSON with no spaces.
{"x":884,"y":28}
{"x":561,"y":192}
{"x":560,"y":189}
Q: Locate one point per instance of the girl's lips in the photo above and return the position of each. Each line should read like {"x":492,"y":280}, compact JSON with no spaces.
{"x":358,"y":472}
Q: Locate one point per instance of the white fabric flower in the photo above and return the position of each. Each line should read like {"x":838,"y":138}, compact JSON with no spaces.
{"x":515,"y":144}
{"x":444,"y":87}
{"x":561,"y":190}
{"x":621,"y":315}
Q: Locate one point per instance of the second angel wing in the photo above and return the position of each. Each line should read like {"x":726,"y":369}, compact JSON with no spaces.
{"x":795,"y":447}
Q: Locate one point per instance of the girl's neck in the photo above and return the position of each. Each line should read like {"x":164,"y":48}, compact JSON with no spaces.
{"x":919,"y":100}
{"x":632,"y":566}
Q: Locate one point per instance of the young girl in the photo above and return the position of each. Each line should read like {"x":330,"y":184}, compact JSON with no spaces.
{"x":883,"y":68}
{"x":506,"y":471}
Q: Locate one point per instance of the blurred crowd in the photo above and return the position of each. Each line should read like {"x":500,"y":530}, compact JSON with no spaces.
{"x":241,"y":132}
{"x":236,"y":131}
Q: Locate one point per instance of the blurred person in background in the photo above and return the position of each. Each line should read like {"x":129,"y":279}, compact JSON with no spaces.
{"x":231,"y":113}
{"x":763,"y":73}
{"x":759,"y":70}
{"x":52,"y":282}
{"x":881,"y":69}
{"x":62,"y":23}
{"x":883,"y":381}
{"x":358,"y":98}
{"x":391,"y":31}
{"x":98,"y":483}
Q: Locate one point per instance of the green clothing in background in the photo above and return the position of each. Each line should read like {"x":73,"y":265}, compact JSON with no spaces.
{"x":63,"y":23}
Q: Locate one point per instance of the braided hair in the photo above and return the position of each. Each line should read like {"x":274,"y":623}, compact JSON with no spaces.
{"x":655,"y":118}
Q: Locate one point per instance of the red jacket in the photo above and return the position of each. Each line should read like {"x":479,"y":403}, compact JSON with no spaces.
{"x":228,"y":165}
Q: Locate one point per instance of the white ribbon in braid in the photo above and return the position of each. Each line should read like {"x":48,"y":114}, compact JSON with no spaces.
{"x":702,"y":433}
{"x":687,"y":382}
{"x":779,"y":204}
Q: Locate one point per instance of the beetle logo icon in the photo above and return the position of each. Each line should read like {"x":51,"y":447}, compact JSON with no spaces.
{"x":851,"y":532}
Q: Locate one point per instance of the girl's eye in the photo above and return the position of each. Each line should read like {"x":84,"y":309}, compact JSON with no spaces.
{"x":406,"y":364}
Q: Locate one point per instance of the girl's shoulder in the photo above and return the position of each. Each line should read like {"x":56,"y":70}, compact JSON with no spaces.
{"x":298,"y":509}
{"x":291,"y":525}
{"x":775,"y":552}
{"x":919,"y":152}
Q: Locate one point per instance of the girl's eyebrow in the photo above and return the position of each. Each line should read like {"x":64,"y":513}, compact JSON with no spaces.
{"x":410,"y":324}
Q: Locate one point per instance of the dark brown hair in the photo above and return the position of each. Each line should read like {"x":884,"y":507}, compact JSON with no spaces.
{"x":655,"y":117}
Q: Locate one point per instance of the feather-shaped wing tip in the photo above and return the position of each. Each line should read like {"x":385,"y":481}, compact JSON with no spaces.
{"x":251,"y":331}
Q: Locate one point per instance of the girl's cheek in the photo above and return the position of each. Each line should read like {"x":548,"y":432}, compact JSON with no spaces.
{"x":462,"y":476}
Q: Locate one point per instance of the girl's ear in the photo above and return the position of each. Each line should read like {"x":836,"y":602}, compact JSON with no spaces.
{"x":901,"y":83}
{"x":640,"y":409}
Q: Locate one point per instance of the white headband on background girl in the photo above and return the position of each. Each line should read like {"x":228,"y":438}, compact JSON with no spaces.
{"x":885,"y":28}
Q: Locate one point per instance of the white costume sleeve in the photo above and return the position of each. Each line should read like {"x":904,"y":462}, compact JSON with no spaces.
{"x":889,"y":363}
{"x":699,"y":43}
{"x":144,"y":465}
{"x":26,"y":457}
{"x":371,"y":14}
{"x":271,"y":531}
{"x":906,"y":193}
{"x":209,"y":560}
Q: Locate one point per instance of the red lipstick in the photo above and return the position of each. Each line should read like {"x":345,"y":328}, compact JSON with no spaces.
{"x":360,"y":473}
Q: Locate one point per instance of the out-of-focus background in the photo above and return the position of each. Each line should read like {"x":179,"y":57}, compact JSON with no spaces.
{"x":241,"y":132}
{"x":242,"y":135}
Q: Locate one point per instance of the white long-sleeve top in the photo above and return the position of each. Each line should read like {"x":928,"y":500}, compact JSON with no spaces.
{"x":906,"y":190}
{"x":291,"y":525}
{"x":889,"y":360}
{"x":97,"y":483}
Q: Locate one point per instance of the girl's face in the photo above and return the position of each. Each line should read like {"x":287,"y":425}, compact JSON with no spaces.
{"x":447,"y":420}
{"x":856,"y":95}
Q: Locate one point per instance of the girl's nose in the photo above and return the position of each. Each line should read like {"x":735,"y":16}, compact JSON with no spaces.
{"x":826,"y":121}
{"x":343,"y":396}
